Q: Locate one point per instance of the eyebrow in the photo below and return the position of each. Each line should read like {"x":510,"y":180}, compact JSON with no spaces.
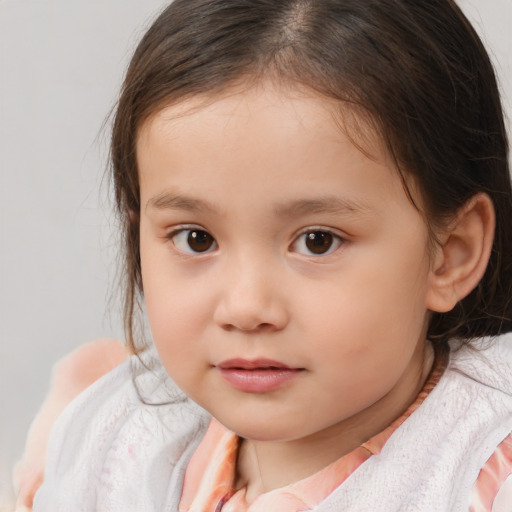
{"x":328,"y":204}
{"x":169,"y":201}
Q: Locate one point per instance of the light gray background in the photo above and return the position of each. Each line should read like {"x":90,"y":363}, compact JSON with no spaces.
{"x":61,"y":65}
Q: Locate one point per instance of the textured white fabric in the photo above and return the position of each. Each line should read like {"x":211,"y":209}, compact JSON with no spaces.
{"x":110,"y":452}
{"x":503,"y":501}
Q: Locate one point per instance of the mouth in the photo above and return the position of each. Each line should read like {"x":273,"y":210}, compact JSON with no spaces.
{"x":258,"y":375}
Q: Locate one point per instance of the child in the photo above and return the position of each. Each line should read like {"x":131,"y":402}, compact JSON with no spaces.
{"x":317,"y":212}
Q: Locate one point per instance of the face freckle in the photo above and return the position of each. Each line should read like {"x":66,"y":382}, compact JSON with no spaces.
{"x":321,"y":338}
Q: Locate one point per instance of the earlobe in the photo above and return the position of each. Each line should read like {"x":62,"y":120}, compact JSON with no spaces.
{"x":462,"y":256}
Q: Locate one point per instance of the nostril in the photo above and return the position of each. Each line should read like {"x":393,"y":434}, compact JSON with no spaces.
{"x":262,"y":327}
{"x":266,"y":327}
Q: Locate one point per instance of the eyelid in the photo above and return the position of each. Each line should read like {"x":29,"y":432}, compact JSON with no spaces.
{"x":342,"y":239}
{"x":177,"y":230}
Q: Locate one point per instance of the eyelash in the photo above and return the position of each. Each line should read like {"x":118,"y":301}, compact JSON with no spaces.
{"x":334,"y":240}
{"x":321,"y":238}
{"x":191,"y":230}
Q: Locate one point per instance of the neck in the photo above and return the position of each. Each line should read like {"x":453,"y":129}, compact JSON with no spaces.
{"x":267,"y":465}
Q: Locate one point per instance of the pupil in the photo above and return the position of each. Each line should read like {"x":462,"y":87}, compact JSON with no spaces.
{"x":199,"y":241}
{"x":319,"y":242}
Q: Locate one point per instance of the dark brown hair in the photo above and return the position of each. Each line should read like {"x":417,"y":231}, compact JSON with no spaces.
{"x":415,"y":67}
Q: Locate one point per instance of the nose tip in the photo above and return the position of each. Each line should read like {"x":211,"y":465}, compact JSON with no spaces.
{"x":258,"y":320}
{"x":251,"y":309}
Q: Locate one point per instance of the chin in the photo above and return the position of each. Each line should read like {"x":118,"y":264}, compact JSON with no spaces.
{"x":264,"y":429}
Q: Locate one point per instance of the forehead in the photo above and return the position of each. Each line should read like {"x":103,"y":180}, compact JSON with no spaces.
{"x":276,"y":142}
{"x":261,"y":106}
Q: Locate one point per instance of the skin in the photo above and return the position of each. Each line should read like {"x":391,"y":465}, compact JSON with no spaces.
{"x":257,"y":170}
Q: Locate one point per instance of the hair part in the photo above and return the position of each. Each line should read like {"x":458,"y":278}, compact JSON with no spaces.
{"x":414,"y":69}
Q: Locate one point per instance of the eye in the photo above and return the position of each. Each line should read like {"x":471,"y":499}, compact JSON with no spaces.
{"x":193,"y":241}
{"x":317,"y":242}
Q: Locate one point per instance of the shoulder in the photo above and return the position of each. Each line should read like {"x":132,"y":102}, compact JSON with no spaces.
{"x":503,"y":499}
{"x":487,"y":361}
{"x":433,"y":459}
{"x":133,"y":421}
{"x":478,"y":387}
{"x":493,"y":488}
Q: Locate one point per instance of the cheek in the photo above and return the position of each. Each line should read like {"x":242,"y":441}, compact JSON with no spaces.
{"x":173,"y":296}
{"x":365,"y":306}
{"x":175,"y":334}
{"x":175,"y":324}
{"x":371,"y":318}
{"x":168,"y":298}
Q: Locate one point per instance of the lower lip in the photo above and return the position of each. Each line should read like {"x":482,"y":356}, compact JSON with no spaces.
{"x":259,"y":380}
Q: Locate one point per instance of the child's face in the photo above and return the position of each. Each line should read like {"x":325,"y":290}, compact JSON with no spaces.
{"x":269,"y":240}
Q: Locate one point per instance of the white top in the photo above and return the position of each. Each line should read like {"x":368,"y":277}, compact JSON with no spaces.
{"x":112,"y":451}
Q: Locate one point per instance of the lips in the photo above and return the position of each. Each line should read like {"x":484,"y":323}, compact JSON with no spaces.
{"x":258,"y":375}
{"x":244,"y":364}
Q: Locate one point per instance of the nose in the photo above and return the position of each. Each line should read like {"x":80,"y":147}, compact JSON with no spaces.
{"x":252,"y":300}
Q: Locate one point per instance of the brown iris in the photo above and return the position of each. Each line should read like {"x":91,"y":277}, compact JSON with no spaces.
{"x":200,"y":241}
{"x":319,"y":242}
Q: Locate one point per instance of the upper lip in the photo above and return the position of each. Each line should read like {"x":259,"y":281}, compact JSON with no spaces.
{"x":252,"y":364}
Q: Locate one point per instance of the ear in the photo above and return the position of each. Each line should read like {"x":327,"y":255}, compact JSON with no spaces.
{"x":460,"y":260}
